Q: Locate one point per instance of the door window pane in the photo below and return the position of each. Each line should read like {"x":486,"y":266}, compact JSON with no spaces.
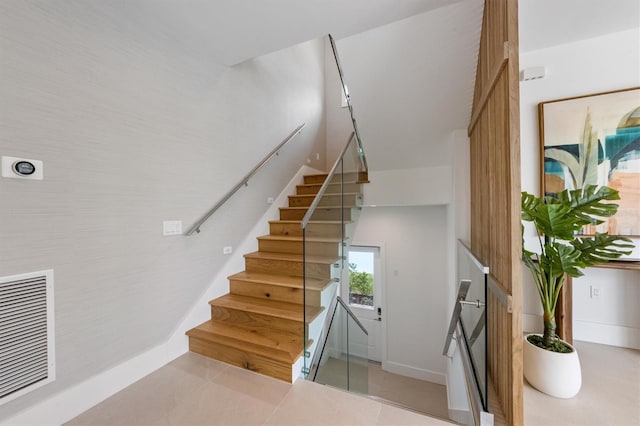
{"x":361,"y":279}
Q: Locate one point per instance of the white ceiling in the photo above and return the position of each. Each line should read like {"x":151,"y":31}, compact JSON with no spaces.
{"x":236,"y":30}
{"x":546,"y":23}
{"x":232,"y":31}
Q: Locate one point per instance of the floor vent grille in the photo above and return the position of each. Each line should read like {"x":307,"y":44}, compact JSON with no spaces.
{"x":27,"y":358}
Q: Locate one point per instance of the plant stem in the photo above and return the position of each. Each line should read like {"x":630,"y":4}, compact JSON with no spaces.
{"x":549,"y":328}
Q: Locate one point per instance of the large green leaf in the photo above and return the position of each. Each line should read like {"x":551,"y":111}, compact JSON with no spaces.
{"x":554,"y":221}
{"x":529,"y":203}
{"x":602,"y":248}
{"x":560,"y":259}
{"x":587,"y":204}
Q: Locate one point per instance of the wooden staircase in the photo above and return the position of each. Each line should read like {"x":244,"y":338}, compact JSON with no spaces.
{"x":259,"y":325}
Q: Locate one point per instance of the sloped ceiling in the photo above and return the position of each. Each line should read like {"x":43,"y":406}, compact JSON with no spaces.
{"x":546,"y":23}
{"x":236,"y":30}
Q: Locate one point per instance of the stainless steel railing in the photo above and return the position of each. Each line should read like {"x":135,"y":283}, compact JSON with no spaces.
{"x":345,"y":90}
{"x":243,"y":182}
{"x":307,"y":217}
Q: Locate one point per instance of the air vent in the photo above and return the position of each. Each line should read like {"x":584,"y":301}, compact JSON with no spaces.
{"x":27,"y":358}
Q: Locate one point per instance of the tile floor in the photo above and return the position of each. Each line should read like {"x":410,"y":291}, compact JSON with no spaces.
{"x":197,"y":390}
{"x":610,"y":393}
{"x":418,"y":395}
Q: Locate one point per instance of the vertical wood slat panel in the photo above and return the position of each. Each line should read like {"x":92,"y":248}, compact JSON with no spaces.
{"x":495,"y":196}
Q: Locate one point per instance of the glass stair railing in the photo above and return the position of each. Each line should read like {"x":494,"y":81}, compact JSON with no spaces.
{"x":335,"y":343}
{"x":343,"y":360}
{"x":468,"y":329}
{"x":326,"y":231}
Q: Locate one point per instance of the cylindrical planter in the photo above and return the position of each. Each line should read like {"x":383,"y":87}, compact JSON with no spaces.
{"x":553,"y":373}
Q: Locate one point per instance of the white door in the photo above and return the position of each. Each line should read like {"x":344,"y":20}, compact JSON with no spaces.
{"x":364,"y":294}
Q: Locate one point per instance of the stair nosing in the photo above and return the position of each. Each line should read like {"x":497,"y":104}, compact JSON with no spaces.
{"x":290,"y":257}
{"x":313,"y":283}
{"x":258,"y":303}
{"x":298,"y":238}
{"x":237,"y":341}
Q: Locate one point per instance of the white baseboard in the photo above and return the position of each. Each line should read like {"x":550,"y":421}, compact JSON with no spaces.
{"x":416,"y":373}
{"x":72,"y":402}
{"x":613,"y":335}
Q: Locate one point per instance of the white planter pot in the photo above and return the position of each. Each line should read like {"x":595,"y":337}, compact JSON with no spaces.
{"x":553,"y":373}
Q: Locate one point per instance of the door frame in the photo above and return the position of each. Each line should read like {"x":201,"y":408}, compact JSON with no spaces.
{"x":383,"y":294}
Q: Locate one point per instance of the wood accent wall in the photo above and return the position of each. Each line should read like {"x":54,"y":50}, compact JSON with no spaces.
{"x":494,"y":131}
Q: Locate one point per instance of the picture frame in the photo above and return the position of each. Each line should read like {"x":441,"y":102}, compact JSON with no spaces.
{"x":594,"y":139}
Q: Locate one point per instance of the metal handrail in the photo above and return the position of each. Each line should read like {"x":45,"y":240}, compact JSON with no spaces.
{"x":455,"y":316}
{"x":352,"y":315}
{"x":315,"y":362}
{"x":347,"y":97}
{"x":325,"y":185}
{"x":243,"y":182}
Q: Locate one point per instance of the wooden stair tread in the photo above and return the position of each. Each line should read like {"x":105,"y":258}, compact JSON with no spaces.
{"x":299,"y":238}
{"x":281,"y":280}
{"x":319,"y":207}
{"x":284,"y":310}
{"x":315,"y":195}
{"x":329,"y":222}
{"x":271,"y":343}
{"x":328,"y":260}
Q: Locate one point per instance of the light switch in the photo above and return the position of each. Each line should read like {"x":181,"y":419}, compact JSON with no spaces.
{"x":172,"y":227}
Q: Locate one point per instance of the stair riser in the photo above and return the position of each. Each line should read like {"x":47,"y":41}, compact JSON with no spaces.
{"x":350,"y":177}
{"x":296,"y":247}
{"x":273,"y":292}
{"x":319,"y":214}
{"x":254,"y":321}
{"x":330,"y":230}
{"x":350,"y":200}
{"x":311,"y":179}
{"x":285,"y":267}
{"x":242,"y":359}
{"x":331,"y":189}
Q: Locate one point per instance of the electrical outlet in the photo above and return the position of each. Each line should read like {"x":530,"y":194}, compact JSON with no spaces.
{"x":595,"y":292}
{"x":227,"y":250}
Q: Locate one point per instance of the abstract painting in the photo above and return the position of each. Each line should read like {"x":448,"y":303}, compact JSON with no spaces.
{"x":595,"y":140}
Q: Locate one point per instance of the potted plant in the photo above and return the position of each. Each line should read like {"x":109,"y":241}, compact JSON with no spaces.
{"x":558,"y":221}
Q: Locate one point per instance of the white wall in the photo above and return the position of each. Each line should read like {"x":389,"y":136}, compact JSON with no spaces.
{"x":411,"y":85}
{"x":416,"y":286}
{"x":135,"y":128}
{"x":589,"y":66}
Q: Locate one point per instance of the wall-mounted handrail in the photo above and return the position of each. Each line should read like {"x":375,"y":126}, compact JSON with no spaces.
{"x":363,"y":159}
{"x":244,"y":181}
{"x":325,"y":185}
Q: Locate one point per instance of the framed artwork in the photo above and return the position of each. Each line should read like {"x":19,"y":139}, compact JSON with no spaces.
{"x":595,"y":140}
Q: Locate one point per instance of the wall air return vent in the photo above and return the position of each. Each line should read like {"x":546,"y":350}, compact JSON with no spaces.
{"x":27,"y":358}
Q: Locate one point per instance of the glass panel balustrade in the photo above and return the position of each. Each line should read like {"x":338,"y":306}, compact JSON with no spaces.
{"x":473,"y":318}
{"x":343,"y":361}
